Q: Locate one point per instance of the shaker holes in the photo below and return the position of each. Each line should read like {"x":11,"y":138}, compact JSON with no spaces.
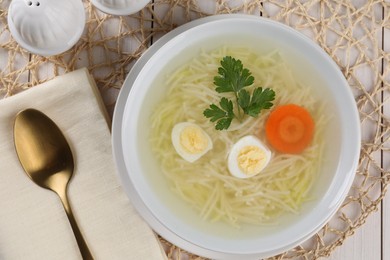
{"x":29,"y":3}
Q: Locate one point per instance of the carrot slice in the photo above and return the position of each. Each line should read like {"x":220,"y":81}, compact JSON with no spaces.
{"x":289,"y":128}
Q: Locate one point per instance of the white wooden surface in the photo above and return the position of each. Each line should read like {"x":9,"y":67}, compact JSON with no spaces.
{"x":386,"y":165}
{"x":372,"y":240}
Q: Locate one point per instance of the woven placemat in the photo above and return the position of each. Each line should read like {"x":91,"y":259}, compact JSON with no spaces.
{"x":351,"y":32}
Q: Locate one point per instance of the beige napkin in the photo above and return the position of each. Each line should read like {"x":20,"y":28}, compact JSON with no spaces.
{"x":33,"y":224}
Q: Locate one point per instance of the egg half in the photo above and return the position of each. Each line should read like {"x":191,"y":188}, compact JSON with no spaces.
{"x":190,"y":141}
{"x":248,"y":157}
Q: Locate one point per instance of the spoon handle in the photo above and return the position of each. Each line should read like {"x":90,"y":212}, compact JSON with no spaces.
{"x":84,"y":250}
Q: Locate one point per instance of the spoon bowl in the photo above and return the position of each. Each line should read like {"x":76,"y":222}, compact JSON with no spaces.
{"x":47,"y":159}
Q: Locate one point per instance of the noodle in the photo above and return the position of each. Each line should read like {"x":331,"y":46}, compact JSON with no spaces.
{"x":207,"y":184}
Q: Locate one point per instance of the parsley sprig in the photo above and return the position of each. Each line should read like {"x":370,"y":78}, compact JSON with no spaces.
{"x":233,"y":77}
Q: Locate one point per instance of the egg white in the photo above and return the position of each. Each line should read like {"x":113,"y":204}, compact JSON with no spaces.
{"x":175,"y":136}
{"x":248,"y":140}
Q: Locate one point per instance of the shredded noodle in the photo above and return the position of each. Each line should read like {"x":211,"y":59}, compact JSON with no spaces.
{"x":207,"y":184}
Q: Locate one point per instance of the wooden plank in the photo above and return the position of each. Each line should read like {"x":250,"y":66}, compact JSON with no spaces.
{"x":386,"y":154}
{"x":386,"y":220}
{"x":364,"y":244}
{"x":171,"y":14}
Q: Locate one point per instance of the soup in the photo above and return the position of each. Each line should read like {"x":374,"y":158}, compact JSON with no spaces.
{"x":207,"y":184}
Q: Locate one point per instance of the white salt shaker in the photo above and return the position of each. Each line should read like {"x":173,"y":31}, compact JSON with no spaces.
{"x":46,"y":27}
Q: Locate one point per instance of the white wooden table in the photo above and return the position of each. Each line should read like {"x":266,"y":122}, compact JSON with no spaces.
{"x":372,"y":240}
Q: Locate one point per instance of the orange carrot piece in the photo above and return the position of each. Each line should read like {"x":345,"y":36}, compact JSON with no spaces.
{"x":289,"y":129}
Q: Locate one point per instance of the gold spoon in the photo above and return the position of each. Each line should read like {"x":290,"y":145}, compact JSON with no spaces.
{"x":47,"y":159}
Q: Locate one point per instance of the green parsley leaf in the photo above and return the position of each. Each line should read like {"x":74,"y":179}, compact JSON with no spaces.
{"x":233,"y":77}
{"x":261,"y":99}
{"x":244,"y":99}
{"x":224,"y":123}
{"x":223,"y":115}
{"x":227,"y":105}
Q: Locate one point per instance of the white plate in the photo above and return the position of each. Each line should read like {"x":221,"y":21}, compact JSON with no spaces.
{"x":148,"y":212}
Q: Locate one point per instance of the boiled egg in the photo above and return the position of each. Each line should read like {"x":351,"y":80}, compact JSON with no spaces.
{"x":190,"y":141}
{"x":248,"y":157}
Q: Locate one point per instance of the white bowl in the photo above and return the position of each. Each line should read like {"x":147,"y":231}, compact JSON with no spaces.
{"x":135,"y":161}
{"x":120,"y":7}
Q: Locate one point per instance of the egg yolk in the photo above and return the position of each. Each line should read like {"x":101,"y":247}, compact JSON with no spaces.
{"x":251,"y":159}
{"x":193,"y":140}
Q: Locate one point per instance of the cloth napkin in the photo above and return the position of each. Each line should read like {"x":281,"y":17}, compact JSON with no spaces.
{"x":33,"y":223}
